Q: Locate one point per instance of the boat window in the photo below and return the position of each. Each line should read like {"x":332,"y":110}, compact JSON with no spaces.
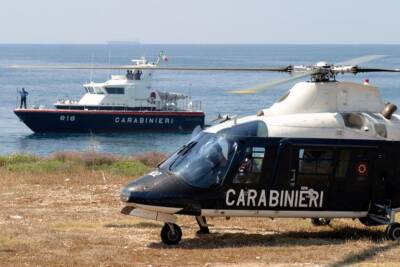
{"x":254,"y":128}
{"x":98,"y":90}
{"x":94,"y":90}
{"x":249,"y":171}
{"x":115,"y":90}
{"x":90,"y":90}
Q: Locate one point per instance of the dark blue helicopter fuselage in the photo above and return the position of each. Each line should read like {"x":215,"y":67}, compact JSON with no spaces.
{"x":294,"y":175}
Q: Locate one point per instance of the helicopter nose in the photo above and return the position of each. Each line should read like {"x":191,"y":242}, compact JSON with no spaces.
{"x":156,"y":189}
{"x":125,"y":194}
{"x":133,"y":193}
{"x":138,"y":190}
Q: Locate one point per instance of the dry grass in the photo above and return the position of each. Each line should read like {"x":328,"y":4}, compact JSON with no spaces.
{"x":68,"y":215}
{"x":151,"y":159}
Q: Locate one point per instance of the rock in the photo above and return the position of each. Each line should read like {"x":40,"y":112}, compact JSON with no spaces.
{"x":16,"y":217}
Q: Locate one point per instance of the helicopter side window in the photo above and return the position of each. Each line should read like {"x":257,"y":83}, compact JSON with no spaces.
{"x":314,"y":165}
{"x":343,"y":163}
{"x":250,"y":168}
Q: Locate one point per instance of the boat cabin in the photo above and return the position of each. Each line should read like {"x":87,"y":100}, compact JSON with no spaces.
{"x":131,"y":91}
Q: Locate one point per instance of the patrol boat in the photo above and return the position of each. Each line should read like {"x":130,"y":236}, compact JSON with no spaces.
{"x":123,"y":103}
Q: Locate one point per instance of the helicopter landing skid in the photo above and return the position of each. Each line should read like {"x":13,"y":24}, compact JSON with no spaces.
{"x":201,"y":221}
{"x":389,"y":218}
{"x":393,"y":228}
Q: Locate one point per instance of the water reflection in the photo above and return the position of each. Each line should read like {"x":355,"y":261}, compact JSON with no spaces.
{"x":115,"y":143}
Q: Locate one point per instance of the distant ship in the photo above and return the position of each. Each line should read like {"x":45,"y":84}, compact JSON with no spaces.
{"x":123,"y":43}
{"x":125,"y":103}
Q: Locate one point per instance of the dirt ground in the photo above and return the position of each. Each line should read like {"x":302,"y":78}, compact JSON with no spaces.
{"x":62,"y":222}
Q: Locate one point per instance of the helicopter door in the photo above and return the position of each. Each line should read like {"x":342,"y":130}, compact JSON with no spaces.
{"x":310,"y":176}
{"x":246,"y":179}
{"x":351,"y":183}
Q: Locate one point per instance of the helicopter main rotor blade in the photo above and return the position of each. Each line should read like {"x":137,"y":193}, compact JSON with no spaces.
{"x":72,"y":67}
{"x":276,"y":69}
{"x":271,"y":84}
{"x":360,"y":60}
{"x":61,"y":67}
{"x":358,"y":70}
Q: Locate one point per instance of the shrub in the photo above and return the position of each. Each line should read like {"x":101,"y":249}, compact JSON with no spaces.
{"x":89,"y":159}
{"x":127,"y":168}
{"x":151,"y":159}
{"x":17,"y":158}
{"x":62,"y":162}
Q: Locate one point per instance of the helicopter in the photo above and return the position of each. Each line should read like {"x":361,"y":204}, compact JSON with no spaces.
{"x":325,"y":150}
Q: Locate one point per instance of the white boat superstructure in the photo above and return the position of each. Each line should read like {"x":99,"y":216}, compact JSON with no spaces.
{"x":131,"y":91}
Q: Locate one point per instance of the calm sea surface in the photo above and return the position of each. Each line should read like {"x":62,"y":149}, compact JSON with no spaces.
{"x":46,"y":86}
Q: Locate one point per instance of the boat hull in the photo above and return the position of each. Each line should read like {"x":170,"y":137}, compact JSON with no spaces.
{"x":62,"y":121}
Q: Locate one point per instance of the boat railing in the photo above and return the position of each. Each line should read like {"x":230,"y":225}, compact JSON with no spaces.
{"x":194,"y":105}
{"x":186,"y":104}
{"x":181,"y":105}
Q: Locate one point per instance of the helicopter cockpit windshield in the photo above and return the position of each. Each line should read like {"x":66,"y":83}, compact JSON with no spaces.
{"x":205,"y":160}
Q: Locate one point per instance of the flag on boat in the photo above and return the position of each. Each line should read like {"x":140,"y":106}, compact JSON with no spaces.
{"x":163,"y":56}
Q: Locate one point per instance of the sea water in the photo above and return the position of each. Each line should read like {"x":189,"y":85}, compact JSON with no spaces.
{"x":47,"y":86}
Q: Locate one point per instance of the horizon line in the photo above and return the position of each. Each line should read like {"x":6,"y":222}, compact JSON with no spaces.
{"x":140,"y":44}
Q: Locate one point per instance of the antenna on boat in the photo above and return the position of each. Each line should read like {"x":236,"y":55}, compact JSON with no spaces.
{"x":109,"y":63}
{"x":161,"y":57}
{"x":91,"y":70}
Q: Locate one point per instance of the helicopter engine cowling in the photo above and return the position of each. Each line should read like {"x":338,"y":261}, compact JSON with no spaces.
{"x":309,"y":97}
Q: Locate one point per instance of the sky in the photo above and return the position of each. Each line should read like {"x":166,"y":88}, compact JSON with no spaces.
{"x":201,"y":21}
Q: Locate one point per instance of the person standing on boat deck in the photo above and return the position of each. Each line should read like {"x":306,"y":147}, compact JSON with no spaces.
{"x":129,"y":75}
{"x":138,"y":74}
{"x":23,"y":93}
